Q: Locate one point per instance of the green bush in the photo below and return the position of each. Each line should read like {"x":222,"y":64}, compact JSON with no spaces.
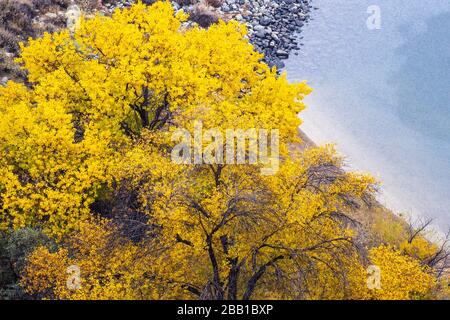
{"x":15,"y":246}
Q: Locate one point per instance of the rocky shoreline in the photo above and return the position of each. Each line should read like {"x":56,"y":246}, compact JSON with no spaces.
{"x":273,"y":25}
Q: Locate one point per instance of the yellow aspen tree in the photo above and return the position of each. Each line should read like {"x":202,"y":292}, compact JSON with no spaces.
{"x":94,"y":128}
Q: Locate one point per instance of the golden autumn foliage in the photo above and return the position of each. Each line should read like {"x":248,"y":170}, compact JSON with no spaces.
{"x":85,"y":156}
{"x":111,"y":268}
{"x":402,"y":277}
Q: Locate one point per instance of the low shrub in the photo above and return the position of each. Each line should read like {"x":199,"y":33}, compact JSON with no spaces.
{"x":89,"y":5}
{"x":15,"y":246}
{"x":8,"y":40}
{"x":204,"y":16}
{"x":214,"y":3}
{"x":186,"y":2}
{"x":9,"y":67}
{"x":16,"y":16}
{"x":47,"y":5}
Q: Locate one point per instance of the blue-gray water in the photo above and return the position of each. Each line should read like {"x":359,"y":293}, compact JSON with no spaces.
{"x":383,"y":96}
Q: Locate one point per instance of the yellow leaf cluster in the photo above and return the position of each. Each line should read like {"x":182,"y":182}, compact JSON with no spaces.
{"x":402,"y":277}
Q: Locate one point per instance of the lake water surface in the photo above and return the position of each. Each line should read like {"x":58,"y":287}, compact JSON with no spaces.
{"x":383,"y":96}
